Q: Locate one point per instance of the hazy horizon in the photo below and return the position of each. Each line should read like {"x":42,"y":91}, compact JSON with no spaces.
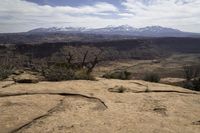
{"x":25,"y":15}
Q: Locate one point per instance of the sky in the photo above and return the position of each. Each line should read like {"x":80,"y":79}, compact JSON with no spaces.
{"x":24,"y":15}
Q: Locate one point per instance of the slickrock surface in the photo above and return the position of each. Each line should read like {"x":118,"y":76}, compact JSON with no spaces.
{"x":103,"y":106}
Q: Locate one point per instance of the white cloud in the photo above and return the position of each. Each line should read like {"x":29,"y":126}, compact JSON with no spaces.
{"x":183,"y":14}
{"x":28,"y":8}
{"x":20,"y":15}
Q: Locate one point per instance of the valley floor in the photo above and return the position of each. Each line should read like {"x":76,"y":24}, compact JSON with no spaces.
{"x":170,"y":67}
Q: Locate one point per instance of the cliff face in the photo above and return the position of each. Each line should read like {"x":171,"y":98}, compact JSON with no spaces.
{"x":103,"y":106}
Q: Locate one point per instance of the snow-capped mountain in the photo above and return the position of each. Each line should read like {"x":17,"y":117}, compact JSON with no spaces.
{"x":122,"y":28}
{"x":157,"y":29}
{"x":149,"y":31}
{"x":154,"y":31}
{"x":58,"y":29}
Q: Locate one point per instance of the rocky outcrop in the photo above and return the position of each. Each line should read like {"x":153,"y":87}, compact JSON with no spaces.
{"x":26,"y":78}
{"x":106,"y":105}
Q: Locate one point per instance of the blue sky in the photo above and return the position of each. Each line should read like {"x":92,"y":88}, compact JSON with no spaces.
{"x":74,"y":2}
{"x":24,"y":15}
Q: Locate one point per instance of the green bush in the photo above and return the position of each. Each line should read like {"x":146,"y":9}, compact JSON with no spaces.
{"x":188,"y":85}
{"x":5,"y":72}
{"x":61,"y":73}
{"x":193,"y":84}
{"x":56,"y":73}
{"x":191,"y":72}
{"x":82,"y":74}
{"x":196,"y":83}
{"x":152,"y":77}
{"x":124,"y":75}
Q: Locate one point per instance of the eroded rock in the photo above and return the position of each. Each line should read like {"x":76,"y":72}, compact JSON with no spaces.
{"x":26,"y":78}
{"x":68,"y":106}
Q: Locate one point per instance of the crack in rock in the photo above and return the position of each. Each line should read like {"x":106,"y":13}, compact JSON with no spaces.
{"x":52,"y":110}
{"x":8,"y":85}
{"x":137,"y":83}
{"x":122,"y":89}
{"x":49,"y":112}
{"x":160,"y":110}
{"x":196,"y":123}
{"x":150,"y":91}
{"x":61,"y":94}
{"x":165,"y":91}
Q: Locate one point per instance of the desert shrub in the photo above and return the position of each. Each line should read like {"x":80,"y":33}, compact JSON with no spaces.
{"x":56,"y":73}
{"x":121,"y":89}
{"x":191,"y":72}
{"x":61,"y":73}
{"x":83,"y":74}
{"x":63,"y":65}
{"x":193,"y":84}
{"x":196,"y":84}
{"x":118,"y":89}
{"x":152,"y":77}
{"x":124,"y":75}
{"x":188,"y":85}
{"x":5,"y":71}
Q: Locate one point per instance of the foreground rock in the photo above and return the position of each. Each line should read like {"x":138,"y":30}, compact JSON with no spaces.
{"x":104,"y":106}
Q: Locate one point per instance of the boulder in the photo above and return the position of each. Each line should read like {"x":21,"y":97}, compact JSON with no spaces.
{"x":26,"y":78}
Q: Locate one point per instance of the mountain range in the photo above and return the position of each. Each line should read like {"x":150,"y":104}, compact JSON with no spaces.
{"x":149,"y":31}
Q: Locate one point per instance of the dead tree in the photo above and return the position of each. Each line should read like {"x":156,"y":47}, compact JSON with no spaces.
{"x":68,"y":57}
{"x":84,"y":58}
{"x":92,"y":65}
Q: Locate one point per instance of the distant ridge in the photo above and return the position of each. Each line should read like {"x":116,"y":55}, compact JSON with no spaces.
{"x":149,"y":31}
